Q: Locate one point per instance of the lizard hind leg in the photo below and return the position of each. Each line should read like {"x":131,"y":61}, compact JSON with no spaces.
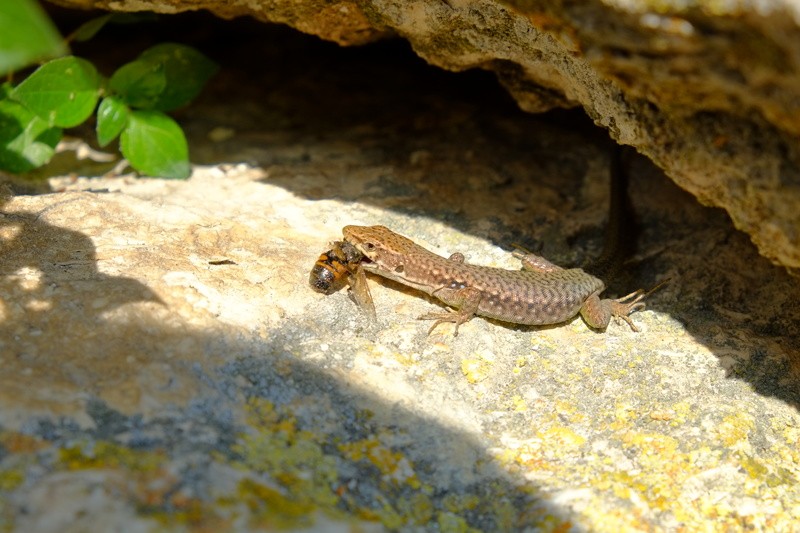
{"x":598,"y":313}
{"x":623,"y":307}
{"x":535,"y":263}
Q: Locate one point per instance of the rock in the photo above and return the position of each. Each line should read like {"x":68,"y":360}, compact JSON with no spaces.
{"x":166,"y":365}
{"x":710,"y":94}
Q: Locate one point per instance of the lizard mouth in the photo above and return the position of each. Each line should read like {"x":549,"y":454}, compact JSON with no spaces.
{"x":364,"y":250}
{"x":366,"y":262}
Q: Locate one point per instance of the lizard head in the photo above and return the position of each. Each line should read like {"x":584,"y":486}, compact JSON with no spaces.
{"x":383,"y":249}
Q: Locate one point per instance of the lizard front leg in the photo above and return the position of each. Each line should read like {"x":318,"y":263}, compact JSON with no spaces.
{"x":466,"y":302}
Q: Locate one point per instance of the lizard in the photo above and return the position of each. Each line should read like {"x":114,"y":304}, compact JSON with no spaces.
{"x":540,"y":293}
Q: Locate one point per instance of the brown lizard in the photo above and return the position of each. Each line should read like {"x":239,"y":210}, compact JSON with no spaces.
{"x":541,"y":293}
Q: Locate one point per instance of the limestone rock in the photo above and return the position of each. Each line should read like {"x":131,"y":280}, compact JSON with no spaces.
{"x":165,"y":365}
{"x":709,"y":92}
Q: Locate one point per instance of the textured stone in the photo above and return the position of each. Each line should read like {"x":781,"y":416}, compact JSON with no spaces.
{"x":166,"y":366}
{"x":709,"y":91}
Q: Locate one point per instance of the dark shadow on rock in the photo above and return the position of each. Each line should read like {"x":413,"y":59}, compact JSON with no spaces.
{"x":61,"y":260}
{"x":49,"y":279}
{"x":304,"y":407}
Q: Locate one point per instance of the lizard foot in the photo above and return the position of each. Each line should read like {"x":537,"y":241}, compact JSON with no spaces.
{"x":455,"y":317}
{"x":623,"y":307}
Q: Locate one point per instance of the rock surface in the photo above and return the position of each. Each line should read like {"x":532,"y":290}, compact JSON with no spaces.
{"x":708,"y":91}
{"x":165,"y":364}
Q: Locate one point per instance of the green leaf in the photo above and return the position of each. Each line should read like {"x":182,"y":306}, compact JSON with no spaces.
{"x":26,"y":141}
{"x":186,"y":71}
{"x":164,"y":77}
{"x":89,"y":29}
{"x":26,"y":35}
{"x":64,"y":91}
{"x":5,"y":90}
{"x":139,"y":83}
{"x":154,"y":144}
{"x":112,"y":116}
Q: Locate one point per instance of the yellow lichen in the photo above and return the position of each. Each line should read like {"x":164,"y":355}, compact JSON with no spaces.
{"x":569,"y":411}
{"x":528,"y":455}
{"x":562,"y":439}
{"x":104,"y":454}
{"x":418,"y":507}
{"x":11,"y":479}
{"x":623,"y":414}
{"x":451,"y":523}
{"x":757,"y":469}
{"x":655,"y":448}
{"x":271,"y":508}
{"x":475,"y":369}
{"x":291,"y":457}
{"x":395,"y":467}
{"x":519,"y":404}
{"x":735,"y":428}
{"x":682,"y":411}
{"x":456,"y":503}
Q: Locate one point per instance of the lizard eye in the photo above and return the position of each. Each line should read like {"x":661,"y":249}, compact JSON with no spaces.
{"x":399,"y":269}
{"x":369,"y":246}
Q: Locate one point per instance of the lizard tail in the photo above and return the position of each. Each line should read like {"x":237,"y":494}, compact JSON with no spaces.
{"x":621,"y":232}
